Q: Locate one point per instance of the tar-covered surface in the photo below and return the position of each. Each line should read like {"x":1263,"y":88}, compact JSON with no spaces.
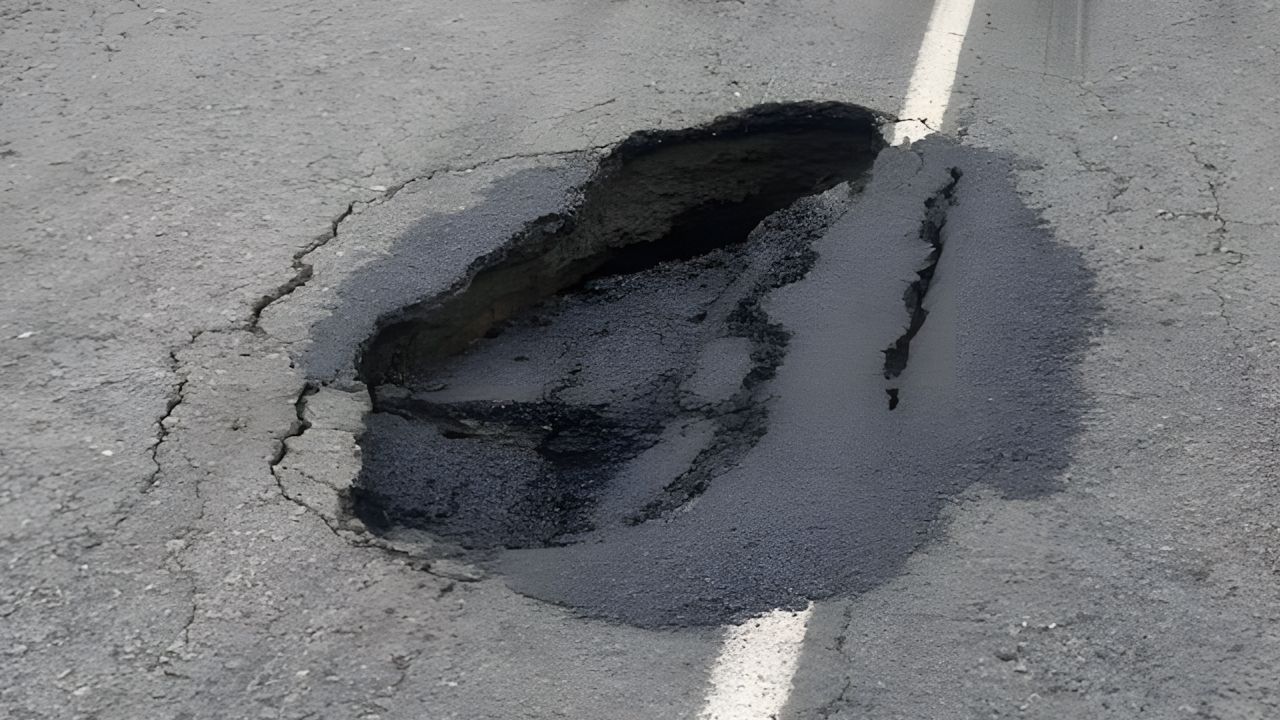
{"x":687,"y":438}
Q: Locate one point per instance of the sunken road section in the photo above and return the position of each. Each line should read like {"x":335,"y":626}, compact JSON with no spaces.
{"x":515,"y":442}
{"x":667,"y":404}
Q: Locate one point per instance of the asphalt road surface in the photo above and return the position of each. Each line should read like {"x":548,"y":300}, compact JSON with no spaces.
{"x":982,"y":425}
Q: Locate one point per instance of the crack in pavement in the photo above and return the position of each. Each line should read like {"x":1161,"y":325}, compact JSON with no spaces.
{"x":837,"y":703}
{"x":840,"y":700}
{"x":303,"y":271}
{"x":1120,"y":182}
{"x":897,"y":355}
{"x":1219,"y":246}
{"x":418,"y":560}
{"x":176,"y":396}
{"x":297,"y":429}
{"x":1215,"y":213}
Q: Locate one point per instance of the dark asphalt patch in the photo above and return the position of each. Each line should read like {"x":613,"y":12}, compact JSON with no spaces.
{"x":742,"y":373}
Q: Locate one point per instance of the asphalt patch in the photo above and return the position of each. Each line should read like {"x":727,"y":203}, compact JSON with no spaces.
{"x":745,"y":370}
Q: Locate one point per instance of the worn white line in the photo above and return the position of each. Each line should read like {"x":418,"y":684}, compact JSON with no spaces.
{"x":929,"y":91}
{"x":751,"y":679}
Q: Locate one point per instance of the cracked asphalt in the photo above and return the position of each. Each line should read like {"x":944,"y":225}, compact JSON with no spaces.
{"x":188,"y":190}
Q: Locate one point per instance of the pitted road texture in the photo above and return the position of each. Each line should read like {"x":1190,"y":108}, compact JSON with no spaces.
{"x":716,"y":429}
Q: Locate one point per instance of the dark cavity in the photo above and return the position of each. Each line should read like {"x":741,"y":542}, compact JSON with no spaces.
{"x":505,"y":410}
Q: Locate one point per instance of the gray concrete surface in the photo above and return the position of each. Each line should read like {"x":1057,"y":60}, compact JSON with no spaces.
{"x":171,"y":170}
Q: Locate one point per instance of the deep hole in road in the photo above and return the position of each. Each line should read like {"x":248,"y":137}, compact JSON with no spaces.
{"x":506,"y":409}
{"x":737,"y":368}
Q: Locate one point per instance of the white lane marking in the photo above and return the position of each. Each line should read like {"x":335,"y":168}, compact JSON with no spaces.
{"x":751,"y":679}
{"x":929,"y":91}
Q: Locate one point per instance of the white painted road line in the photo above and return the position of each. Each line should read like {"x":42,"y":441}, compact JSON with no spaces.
{"x":929,"y":91}
{"x":751,"y":679}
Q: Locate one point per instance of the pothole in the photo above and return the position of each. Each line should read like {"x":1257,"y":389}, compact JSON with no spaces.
{"x":746,"y":369}
{"x":504,"y":411}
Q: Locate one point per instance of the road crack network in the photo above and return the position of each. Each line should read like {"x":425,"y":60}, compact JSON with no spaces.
{"x":303,"y":272}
